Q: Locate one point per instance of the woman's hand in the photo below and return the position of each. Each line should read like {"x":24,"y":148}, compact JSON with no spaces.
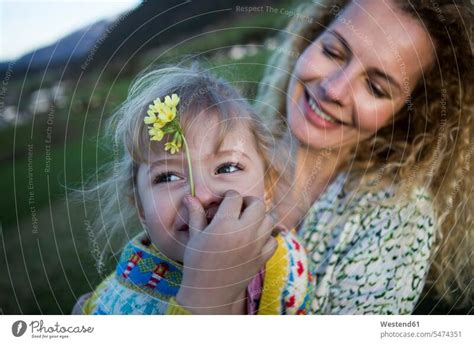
{"x":221,"y":258}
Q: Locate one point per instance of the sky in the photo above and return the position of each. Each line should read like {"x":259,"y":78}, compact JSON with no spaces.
{"x":27,"y":25}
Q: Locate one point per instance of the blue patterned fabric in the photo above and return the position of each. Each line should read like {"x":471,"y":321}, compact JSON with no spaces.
{"x":141,"y":274}
{"x":142,"y":283}
{"x":145,"y":280}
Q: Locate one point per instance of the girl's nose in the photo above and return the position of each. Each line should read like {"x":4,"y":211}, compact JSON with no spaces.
{"x":207,"y":195}
{"x":337,"y":87}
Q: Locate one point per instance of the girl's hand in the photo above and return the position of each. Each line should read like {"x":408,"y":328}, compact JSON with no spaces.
{"x":221,"y":258}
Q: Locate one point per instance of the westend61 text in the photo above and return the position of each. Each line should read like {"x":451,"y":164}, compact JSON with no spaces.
{"x":400,"y":324}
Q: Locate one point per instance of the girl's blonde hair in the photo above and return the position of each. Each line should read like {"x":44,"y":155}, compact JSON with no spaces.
{"x":431,"y":140}
{"x":116,"y":201}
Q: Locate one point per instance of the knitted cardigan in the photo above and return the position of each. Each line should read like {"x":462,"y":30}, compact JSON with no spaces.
{"x":146,"y":282}
{"x":370,"y":251}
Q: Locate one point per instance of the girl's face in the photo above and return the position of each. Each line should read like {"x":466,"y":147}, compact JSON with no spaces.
{"x":162,"y":184}
{"x":356,"y":75}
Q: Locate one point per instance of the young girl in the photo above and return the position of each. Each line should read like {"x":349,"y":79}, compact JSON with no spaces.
{"x":215,"y":132}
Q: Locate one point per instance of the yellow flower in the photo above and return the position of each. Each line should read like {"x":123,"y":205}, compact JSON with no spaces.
{"x":167,"y":115}
{"x":162,"y":119}
{"x":156,"y":134}
{"x":158,"y":124}
{"x":157,"y":106}
{"x":151,"y":118}
{"x":172,"y":147}
{"x":179,"y":142}
{"x":172,"y":101}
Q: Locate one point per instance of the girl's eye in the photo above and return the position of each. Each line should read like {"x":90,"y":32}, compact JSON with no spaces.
{"x":228,"y":167}
{"x":375,"y":90}
{"x":166,"y":177}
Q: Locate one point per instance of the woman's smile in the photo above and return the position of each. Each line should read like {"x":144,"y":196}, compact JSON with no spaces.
{"x":316,"y":115}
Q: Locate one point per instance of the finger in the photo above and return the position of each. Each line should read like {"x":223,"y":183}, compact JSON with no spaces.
{"x":254,"y":210}
{"x":274,"y":220}
{"x":230,"y":207}
{"x":265,"y":230}
{"x":197,"y":216}
{"x":268,"y":249}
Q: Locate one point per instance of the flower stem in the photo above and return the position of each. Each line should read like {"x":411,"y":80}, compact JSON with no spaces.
{"x":190,"y":167}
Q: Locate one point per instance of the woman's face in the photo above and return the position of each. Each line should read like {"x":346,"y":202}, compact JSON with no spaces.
{"x":356,"y":75}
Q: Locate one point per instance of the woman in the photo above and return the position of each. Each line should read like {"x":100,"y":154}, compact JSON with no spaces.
{"x":378,"y":98}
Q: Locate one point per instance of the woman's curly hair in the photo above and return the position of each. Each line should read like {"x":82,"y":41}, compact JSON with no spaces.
{"x":430,"y":142}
